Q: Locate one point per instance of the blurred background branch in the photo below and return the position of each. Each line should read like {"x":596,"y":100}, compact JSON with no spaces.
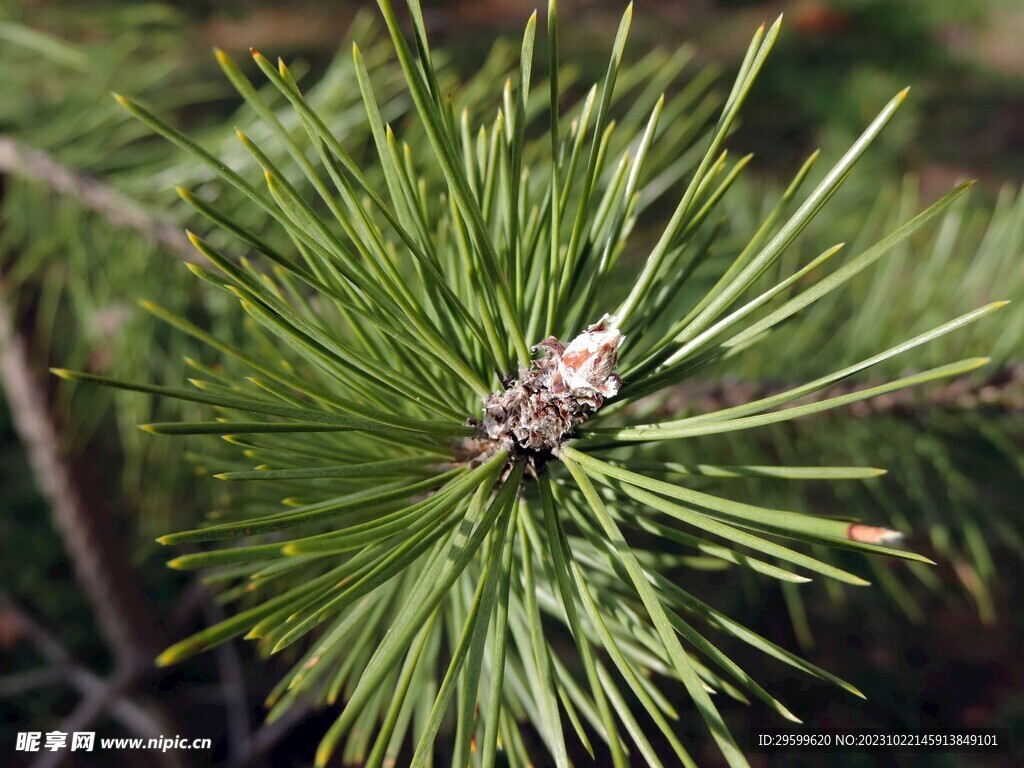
{"x":93,"y":195}
{"x":99,"y":556}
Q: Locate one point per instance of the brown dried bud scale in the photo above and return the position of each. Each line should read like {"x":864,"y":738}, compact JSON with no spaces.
{"x":537,"y":412}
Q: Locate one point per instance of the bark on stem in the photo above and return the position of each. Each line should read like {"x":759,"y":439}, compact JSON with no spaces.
{"x":89,"y":536}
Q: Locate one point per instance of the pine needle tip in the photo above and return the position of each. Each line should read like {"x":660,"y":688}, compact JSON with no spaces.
{"x":165,"y":659}
{"x":322,"y":757}
{"x":789,"y":715}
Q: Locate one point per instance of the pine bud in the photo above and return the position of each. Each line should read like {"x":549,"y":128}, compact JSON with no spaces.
{"x":563,"y":388}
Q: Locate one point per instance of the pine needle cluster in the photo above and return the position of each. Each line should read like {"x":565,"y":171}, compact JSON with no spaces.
{"x":419,"y":564}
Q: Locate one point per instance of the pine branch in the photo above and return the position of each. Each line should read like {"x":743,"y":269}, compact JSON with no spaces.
{"x":1002,"y":389}
{"x":93,"y":706}
{"x":232,"y":676}
{"x":266,"y":737}
{"x":90,"y":685}
{"x":101,"y":566}
{"x":30,"y":680}
{"x":19,"y":159}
